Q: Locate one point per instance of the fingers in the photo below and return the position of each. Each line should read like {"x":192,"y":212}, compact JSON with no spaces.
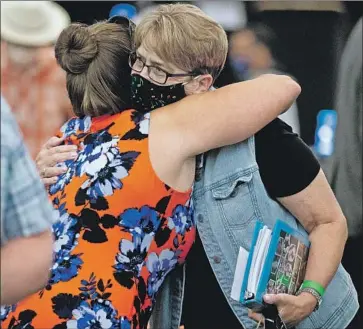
{"x":53,"y":172}
{"x":62,"y":149}
{"x":269,"y":299}
{"x":46,"y":163}
{"x":45,"y":156}
{"x":53,"y":141}
{"x":49,"y":181}
{"x":290,"y":311}
{"x":47,"y":168}
{"x":50,"y":155}
{"x":50,"y":174}
{"x":61,"y":157}
{"x":49,"y":158}
{"x":255,"y":316}
{"x":278,"y":299}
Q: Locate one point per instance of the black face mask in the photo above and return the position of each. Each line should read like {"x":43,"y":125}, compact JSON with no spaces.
{"x":147,"y":96}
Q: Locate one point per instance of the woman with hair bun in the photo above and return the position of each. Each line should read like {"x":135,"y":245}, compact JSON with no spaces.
{"x":124,"y":203}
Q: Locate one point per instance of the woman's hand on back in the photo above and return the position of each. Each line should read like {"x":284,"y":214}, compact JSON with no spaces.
{"x":52,"y":153}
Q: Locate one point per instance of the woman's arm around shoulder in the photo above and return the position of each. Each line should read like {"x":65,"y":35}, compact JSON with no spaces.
{"x":225,"y":116}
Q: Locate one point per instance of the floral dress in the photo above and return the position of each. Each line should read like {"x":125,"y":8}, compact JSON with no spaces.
{"x":121,"y":230}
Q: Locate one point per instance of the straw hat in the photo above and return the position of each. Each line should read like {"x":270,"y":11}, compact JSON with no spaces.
{"x":32,"y":23}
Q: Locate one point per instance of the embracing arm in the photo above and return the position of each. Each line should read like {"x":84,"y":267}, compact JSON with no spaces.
{"x":224,"y":116}
{"x":200,"y":122}
{"x":320,"y":214}
{"x":318,"y":211}
{"x":291,"y":173}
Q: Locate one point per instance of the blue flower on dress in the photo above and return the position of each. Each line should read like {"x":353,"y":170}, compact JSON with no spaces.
{"x":132,"y":254}
{"x":181,"y":220}
{"x":66,"y":267}
{"x":141,"y":130}
{"x":63,"y":179}
{"x":101,"y":160}
{"x":5,"y":310}
{"x":104,"y":179}
{"x":144,"y":124}
{"x":75,"y":124}
{"x":99,"y":314}
{"x":70,"y":128}
{"x":159,"y":267}
{"x":106,"y":173}
{"x":66,"y":233}
{"x":125,"y":323}
{"x":140,"y":221}
{"x":92,"y":148}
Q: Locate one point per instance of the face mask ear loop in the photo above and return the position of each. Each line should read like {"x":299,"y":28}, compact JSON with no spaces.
{"x":194,"y":78}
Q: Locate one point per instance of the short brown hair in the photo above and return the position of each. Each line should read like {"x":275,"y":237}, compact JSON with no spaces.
{"x":185,"y":36}
{"x":95,"y":58}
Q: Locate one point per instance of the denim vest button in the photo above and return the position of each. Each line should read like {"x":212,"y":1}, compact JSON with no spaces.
{"x":200,"y":218}
{"x":217,"y":259}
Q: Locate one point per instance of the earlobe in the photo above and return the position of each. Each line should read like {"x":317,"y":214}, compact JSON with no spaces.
{"x":202,"y":84}
{"x":193,"y":87}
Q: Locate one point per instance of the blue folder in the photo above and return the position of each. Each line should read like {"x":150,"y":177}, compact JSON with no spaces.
{"x":289,"y":249}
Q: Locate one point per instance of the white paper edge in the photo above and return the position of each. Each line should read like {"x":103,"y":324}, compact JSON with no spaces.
{"x":239,"y":274}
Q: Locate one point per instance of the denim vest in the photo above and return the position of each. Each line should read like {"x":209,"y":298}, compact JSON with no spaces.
{"x":229,"y":198}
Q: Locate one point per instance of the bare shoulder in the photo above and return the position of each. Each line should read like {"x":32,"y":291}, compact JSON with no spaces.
{"x":166,"y":151}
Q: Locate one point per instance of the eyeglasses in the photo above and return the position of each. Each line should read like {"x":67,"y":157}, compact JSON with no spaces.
{"x":154,"y":73}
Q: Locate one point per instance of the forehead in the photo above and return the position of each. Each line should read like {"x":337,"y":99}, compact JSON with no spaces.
{"x":152,"y":58}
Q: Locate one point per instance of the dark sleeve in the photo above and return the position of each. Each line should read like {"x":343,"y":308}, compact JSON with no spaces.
{"x":287,"y":165}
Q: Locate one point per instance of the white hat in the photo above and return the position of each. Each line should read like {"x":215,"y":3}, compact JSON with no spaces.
{"x":32,"y":23}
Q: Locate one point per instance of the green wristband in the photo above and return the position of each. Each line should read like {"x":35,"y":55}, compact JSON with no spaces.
{"x":314,"y":285}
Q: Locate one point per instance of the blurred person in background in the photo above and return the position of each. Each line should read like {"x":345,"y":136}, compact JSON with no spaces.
{"x":228,"y":183}
{"x":309,"y":51}
{"x":232,"y":16}
{"x":251,"y":54}
{"x":31,"y":81}
{"x":26,"y":218}
{"x":126,"y":214}
{"x":346,"y":177}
